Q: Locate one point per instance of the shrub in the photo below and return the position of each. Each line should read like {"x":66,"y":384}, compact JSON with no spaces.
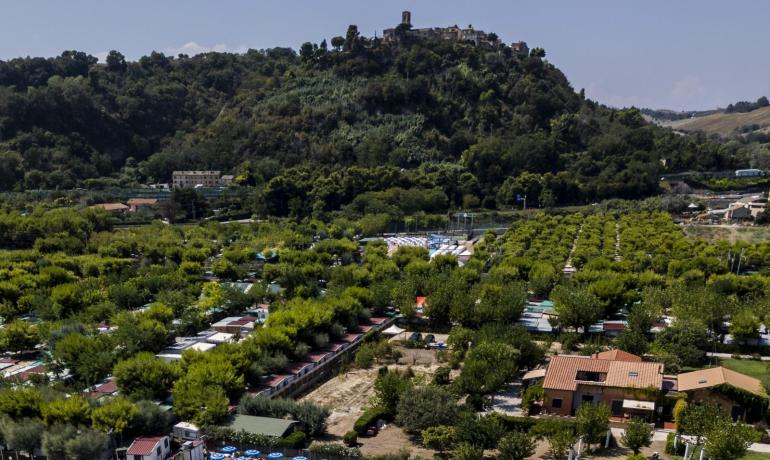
{"x":295,"y":440}
{"x":441,"y":377}
{"x":369,"y":418}
{"x":350,"y":439}
{"x":311,"y":415}
{"x":679,"y":408}
{"x":330,"y":448}
{"x":532,"y":395}
{"x":636,"y":457}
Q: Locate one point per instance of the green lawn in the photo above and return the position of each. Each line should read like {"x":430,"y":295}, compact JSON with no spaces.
{"x":755,"y":456}
{"x":756,"y":369}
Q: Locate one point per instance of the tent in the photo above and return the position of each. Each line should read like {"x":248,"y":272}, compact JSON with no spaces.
{"x":393,"y":330}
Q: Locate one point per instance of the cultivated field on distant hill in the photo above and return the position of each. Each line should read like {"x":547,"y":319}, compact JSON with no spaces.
{"x":723,"y":123}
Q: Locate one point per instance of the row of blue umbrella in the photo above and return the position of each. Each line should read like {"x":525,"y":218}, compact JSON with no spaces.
{"x":249,"y":454}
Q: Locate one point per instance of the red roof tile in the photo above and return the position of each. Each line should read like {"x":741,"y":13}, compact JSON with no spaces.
{"x":143,"y":446}
{"x":107,"y":388}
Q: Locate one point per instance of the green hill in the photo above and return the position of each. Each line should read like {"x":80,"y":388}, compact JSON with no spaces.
{"x":724,"y":123}
{"x":424,"y":125}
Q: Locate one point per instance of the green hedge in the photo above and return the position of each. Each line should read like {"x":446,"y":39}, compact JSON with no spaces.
{"x":295,"y":440}
{"x":369,"y":418}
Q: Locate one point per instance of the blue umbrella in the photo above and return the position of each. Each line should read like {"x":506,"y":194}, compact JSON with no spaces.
{"x":274,"y":455}
{"x":228,"y":449}
{"x":216,"y":456}
{"x":299,"y":458}
{"x":241,"y":458}
{"x":252,"y":453}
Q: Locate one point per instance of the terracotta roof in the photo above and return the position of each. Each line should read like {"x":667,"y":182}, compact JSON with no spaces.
{"x":110,"y":206}
{"x":143,"y":446}
{"x":141,"y":201}
{"x":562,"y":371}
{"x":617,"y":355}
{"x":707,"y":378}
{"x":107,"y":388}
{"x":625,"y":374}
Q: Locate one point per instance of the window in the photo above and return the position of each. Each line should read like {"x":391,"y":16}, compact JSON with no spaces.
{"x":633,"y":374}
{"x":701,"y":382}
{"x":157,"y":451}
{"x":556,"y":403}
{"x":165,"y":442}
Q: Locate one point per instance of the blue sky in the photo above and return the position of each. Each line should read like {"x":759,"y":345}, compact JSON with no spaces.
{"x":680,"y":54}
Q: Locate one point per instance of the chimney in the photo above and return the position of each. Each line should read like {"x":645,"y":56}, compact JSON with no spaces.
{"x":406,"y":18}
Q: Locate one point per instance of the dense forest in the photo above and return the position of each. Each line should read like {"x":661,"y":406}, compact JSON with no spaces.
{"x":447,"y":123}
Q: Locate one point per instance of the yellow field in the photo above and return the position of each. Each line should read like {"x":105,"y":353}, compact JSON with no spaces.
{"x":722,"y":123}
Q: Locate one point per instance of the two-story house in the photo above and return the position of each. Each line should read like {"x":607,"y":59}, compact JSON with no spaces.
{"x":620,"y":380}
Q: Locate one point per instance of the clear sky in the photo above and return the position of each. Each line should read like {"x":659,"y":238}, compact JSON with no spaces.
{"x":679,"y":54}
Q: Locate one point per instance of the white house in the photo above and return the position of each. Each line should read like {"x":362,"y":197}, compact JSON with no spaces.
{"x":149,"y":448}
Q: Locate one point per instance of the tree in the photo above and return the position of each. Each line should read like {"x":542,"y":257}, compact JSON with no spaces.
{"x":593,"y":421}
{"x":389,"y":387}
{"x":337,"y":42}
{"x":20,"y":335}
{"x":190,"y":202}
{"x":516,"y":446}
{"x":560,"y":441}
{"x":440,"y":437}
{"x":542,"y":278}
{"x":54,"y":442}
{"x":144,"y":376}
{"x":744,"y":325}
{"x":150,"y":419}
{"x":116,"y":62}
{"x":140,"y":332}
{"x":423,"y":407}
{"x":484,"y":431}
{"x":113,"y":416}
{"x":637,"y":434}
{"x":577,"y":307}
{"x":729,"y":441}
{"x":24,"y":435}
{"x":87,"y":445}
{"x":699,"y":419}
{"x":488,"y":366}
{"x":202,"y":404}
{"x":20,"y":402}
{"x":532,"y":395}
{"x":73,"y":410}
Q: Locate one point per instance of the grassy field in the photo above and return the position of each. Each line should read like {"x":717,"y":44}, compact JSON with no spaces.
{"x":755,"y":456}
{"x":714,"y":233}
{"x":756,"y":369}
{"x":723,"y":123}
